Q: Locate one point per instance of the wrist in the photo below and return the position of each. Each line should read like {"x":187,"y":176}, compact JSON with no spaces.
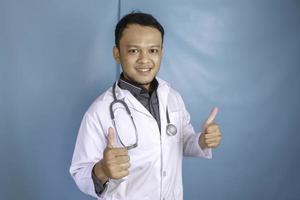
{"x":99,"y":172}
{"x":201,"y":142}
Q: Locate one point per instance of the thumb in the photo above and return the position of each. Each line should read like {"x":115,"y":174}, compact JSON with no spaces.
{"x":111,"y":138}
{"x":211,"y":117}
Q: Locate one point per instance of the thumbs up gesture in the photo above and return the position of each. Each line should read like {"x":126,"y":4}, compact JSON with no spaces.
{"x":211,"y":135}
{"x":115,"y":163}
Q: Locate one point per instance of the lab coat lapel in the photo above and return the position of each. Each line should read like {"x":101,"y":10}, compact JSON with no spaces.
{"x":162,"y":92}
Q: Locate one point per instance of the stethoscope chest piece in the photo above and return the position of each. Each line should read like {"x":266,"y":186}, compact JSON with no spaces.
{"x":171,"y":130}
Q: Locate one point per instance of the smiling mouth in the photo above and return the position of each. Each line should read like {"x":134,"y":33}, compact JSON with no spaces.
{"x":143,"y":69}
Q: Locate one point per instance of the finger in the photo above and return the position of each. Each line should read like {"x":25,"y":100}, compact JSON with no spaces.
{"x":119,"y":160}
{"x":120,"y":174}
{"x":112,"y":153}
{"x":119,"y":152}
{"x":212,"y":135}
{"x":114,"y":168}
{"x":212,"y":116}
{"x":111,"y":138}
{"x":212,"y":128}
{"x":213,"y":140}
{"x":212,"y":145}
{"x":124,"y":166}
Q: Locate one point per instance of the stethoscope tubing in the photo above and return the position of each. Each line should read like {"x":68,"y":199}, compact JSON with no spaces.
{"x":171,"y":129}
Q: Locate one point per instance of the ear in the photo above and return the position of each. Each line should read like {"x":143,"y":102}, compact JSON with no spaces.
{"x":116,"y":54}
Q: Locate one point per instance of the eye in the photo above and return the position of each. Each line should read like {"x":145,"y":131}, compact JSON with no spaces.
{"x":153,"y":51}
{"x":133,"y":51}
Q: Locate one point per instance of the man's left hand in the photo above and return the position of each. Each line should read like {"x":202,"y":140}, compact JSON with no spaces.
{"x":211,"y":134}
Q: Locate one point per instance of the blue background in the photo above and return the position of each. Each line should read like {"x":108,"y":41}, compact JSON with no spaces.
{"x":242,"y":56}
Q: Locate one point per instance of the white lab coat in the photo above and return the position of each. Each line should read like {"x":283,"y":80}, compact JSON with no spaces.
{"x":156,"y":164}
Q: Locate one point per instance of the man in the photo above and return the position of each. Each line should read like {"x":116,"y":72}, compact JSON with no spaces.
{"x":150,"y":165}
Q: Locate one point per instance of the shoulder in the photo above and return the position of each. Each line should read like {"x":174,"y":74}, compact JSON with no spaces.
{"x":168,"y":87}
{"x":101,"y":103}
{"x":174,"y":96}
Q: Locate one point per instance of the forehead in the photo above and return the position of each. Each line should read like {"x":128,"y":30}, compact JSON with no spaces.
{"x":135,"y":34}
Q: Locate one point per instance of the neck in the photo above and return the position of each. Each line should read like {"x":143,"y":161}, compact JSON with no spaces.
{"x":148,"y":87}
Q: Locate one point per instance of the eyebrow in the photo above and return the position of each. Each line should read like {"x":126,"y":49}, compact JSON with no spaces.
{"x":137,"y":46}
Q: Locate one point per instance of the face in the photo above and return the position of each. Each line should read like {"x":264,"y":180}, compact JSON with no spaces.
{"x":139,"y":53}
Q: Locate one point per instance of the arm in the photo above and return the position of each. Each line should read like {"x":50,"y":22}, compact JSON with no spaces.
{"x":89,"y":148}
{"x":199,"y":144}
{"x":191,"y":146}
{"x":95,"y":159}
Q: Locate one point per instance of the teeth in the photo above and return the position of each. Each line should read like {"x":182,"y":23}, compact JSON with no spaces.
{"x":144,"y":70}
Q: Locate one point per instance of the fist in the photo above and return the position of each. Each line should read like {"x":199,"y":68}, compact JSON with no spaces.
{"x":115,"y":162}
{"x":211,"y":134}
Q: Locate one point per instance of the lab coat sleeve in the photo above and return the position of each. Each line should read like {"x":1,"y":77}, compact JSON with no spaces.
{"x":191,"y":146}
{"x":89,"y":148}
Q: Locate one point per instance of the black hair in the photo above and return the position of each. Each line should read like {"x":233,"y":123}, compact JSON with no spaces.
{"x":136,"y":17}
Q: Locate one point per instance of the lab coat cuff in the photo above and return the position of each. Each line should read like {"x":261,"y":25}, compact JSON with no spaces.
{"x":99,"y":186}
{"x":88,"y":184}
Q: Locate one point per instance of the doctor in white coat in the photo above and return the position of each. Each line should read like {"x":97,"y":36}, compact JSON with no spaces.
{"x":102,"y":166}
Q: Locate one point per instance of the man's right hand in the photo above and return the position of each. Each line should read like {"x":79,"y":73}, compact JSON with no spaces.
{"x":115,"y":162}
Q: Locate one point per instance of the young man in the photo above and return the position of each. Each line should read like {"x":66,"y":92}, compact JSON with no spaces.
{"x":112,"y":160}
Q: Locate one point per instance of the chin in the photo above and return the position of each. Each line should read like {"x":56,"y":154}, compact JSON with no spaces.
{"x":145,"y":81}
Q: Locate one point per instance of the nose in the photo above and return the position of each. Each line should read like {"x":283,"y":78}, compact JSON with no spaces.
{"x":143,"y":57}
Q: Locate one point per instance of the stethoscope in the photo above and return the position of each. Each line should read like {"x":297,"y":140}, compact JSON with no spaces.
{"x":171,"y":129}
